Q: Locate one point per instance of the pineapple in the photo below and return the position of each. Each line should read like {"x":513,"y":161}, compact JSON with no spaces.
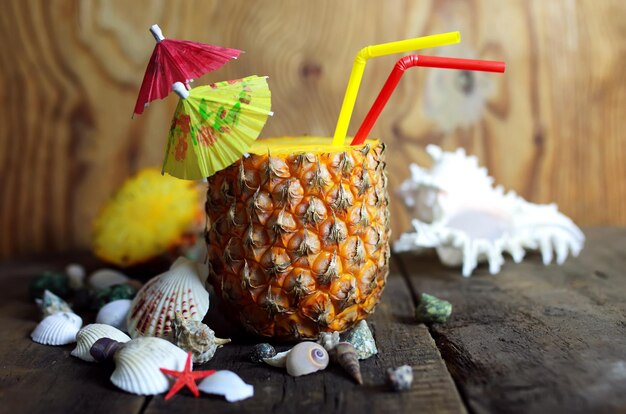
{"x":298,"y":235}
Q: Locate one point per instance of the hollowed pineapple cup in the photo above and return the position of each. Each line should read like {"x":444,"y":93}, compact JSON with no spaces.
{"x":298,"y":235}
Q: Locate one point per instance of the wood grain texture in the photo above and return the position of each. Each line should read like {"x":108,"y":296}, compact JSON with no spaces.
{"x":535,"y":338}
{"x":44,"y":379}
{"x":551,"y":128}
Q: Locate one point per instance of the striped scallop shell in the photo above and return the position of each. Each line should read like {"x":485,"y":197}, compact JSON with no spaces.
{"x":180,"y":289}
{"x":88,"y":335}
{"x":57,"y":329}
{"x":138,"y":363}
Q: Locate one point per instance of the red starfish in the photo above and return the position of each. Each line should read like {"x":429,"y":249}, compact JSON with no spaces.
{"x":186,"y":377}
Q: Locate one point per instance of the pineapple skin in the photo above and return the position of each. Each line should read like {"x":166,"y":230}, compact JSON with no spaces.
{"x":299,"y":243}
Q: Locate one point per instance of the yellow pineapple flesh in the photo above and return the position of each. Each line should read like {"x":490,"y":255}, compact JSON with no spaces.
{"x":298,"y":235}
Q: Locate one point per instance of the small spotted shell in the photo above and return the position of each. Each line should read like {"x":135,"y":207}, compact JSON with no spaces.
{"x":306,"y":358}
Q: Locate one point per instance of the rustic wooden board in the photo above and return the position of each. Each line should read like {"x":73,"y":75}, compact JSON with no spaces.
{"x":400,"y":341}
{"x":551,"y":128}
{"x":38,"y":378}
{"x":535,"y":338}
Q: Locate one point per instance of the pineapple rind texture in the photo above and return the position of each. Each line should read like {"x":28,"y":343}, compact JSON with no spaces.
{"x":299,"y":243}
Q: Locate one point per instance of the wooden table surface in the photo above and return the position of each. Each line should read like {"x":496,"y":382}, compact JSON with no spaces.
{"x":531,"y":339}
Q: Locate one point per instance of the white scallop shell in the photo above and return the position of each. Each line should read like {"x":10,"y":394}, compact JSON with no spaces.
{"x":457,"y":210}
{"x":105,"y":278}
{"x":180,"y":289}
{"x":228,"y":384}
{"x":306,"y":358}
{"x":114,"y":313}
{"x":88,"y":335}
{"x":138,"y":363}
{"x":57,"y":329}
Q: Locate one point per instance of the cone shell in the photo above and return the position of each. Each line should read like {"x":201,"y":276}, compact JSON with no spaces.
{"x":228,"y":384}
{"x":346,"y":356}
{"x":180,"y":289}
{"x":306,"y":358}
{"x":114,"y":314}
{"x":57,"y":329}
{"x":87,"y":336}
{"x":138,"y":363}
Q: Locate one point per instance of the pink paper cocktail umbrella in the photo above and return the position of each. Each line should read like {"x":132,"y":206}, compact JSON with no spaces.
{"x":178,"y":61}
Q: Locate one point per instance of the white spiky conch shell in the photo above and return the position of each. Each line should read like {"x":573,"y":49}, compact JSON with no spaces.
{"x":228,"y":384}
{"x":114,"y":313}
{"x":57,"y":329}
{"x":138,"y":363}
{"x":180,"y":289}
{"x":457,"y":210}
{"x":89,"y":334}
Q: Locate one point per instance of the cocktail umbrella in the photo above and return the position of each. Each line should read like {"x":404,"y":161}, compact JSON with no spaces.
{"x":178,"y":61}
{"x":214,"y":125}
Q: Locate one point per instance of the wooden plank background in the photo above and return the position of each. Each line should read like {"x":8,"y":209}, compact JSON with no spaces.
{"x":551,"y":128}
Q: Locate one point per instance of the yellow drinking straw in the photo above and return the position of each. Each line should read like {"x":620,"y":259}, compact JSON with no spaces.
{"x":379,"y":50}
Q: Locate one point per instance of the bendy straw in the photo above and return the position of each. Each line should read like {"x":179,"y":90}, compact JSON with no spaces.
{"x":379,"y":50}
{"x":418,"y":60}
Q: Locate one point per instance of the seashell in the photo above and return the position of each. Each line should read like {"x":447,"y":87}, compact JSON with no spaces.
{"x":228,"y":384}
{"x":306,"y":358}
{"x":329,"y":340}
{"x":75,"y":275}
{"x":114,"y":314}
{"x":104,"y":349}
{"x":88,"y":335}
{"x":57,"y":329}
{"x":138,"y":363}
{"x":345,"y":354}
{"x":51,"y":304}
{"x":197,"y":338}
{"x":180,"y":289}
{"x":105,"y":278}
{"x":261,"y":351}
{"x":457,"y":210}
{"x":432,"y":310}
{"x":400,"y":378}
{"x":362,"y":339}
{"x":279,"y":360}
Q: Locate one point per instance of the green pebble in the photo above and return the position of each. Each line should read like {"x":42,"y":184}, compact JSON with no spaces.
{"x":112,"y":293}
{"x":432,"y":310}
{"x":55,"y":282}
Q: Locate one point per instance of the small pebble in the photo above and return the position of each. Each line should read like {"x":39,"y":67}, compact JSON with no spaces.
{"x":432,"y":309}
{"x":401,"y":378}
{"x":55,"y":282}
{"x":261,"y":351}
{"x":115,"y":292}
